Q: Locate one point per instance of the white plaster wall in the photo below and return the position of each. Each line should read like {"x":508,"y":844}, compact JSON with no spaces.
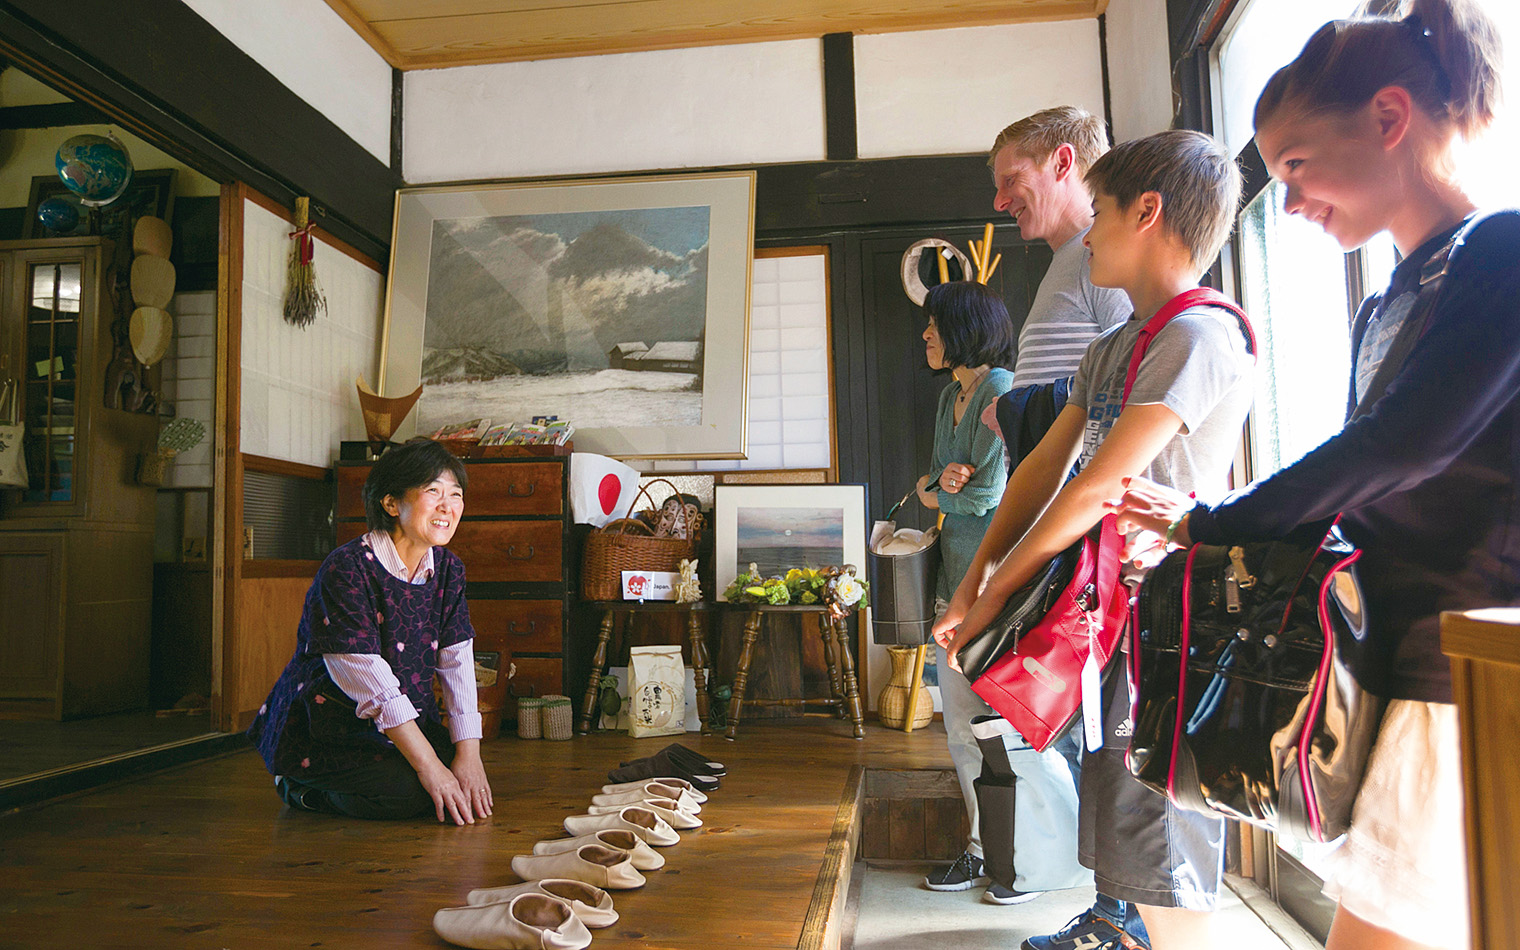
{"x":318,"y":56}
{"x":1139,"y":70}
{"x":743,"y":104}
{"x":298,"y":397}
{"x":942,"y":92}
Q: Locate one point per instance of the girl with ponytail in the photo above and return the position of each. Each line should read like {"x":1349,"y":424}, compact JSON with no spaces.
{"x":1363,"y":128}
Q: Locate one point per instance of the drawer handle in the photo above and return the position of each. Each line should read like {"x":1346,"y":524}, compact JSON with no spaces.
{"x":512,"y":553}
{"x":512,"y":627}
{"x":512,"y":490}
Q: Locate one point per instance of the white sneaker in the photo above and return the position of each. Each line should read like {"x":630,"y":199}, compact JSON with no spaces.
{"x":635,"y":818}
{"x":640,"y":853}
{"x":647,"y":792}
{"x":590,"y":864}
{"x":591,"y":904}
{"x":533,"y":921}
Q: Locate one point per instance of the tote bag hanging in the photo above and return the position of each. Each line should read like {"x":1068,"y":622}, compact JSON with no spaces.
{"x":12,"y":462}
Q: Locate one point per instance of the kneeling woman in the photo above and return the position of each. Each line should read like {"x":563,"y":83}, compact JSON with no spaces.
{"x":352,"y":726}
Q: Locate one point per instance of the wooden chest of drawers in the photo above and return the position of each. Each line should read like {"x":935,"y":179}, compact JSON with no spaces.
{"x":515,"y":543}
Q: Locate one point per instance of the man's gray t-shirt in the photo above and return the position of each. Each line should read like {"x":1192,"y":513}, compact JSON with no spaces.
{"x":1067,"y":313}
{"x":1198,"y":367}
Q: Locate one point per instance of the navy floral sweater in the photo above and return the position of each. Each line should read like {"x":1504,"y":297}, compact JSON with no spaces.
{"x":307,"y":725}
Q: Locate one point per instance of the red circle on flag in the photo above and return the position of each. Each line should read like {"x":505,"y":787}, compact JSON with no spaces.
{"x":608,"y":493}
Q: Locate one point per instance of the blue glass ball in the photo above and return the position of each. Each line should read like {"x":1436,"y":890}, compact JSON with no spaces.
{"x":94,"y":167}
{"x":57,"y":214}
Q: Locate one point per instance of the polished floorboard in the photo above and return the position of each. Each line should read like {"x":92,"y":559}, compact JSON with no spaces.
{"x":30,"y":747}
{"x":206,"y":855}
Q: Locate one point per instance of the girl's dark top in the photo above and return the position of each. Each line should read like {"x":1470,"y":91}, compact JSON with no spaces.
{"x":1426,"y":481}
{"x":307,"y":725}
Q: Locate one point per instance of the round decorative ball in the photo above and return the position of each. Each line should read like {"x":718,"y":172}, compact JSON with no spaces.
{"x":94,"y":167}
{"x":57,"y":214}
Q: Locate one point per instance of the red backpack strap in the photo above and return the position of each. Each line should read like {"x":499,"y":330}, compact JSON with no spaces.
{"x":1197,"y":297}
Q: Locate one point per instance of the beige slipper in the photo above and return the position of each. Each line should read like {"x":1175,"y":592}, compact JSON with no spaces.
{"x":533,"y":921}
{"x":640,"y":853}
{"x":591,"y":904}
{"x":590,"y":863}
{"x":648,"y":792}
{"x":671,"y":781}
{"x":678,"y":817}
{"x":635,"y":818}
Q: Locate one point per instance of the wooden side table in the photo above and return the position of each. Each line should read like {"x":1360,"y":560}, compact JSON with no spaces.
{"x":841,"y":664}
{"x":699,"y":658}
{"x":1484,"y":647}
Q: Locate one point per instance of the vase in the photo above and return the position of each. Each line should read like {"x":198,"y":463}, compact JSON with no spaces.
{"x":892,"y":704}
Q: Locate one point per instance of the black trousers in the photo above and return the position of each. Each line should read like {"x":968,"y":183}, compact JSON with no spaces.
{"x":382,"y":791}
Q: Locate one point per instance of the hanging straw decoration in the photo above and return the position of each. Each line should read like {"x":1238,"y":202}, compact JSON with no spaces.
{"x":303,"y":300}
{"x":984,"y":268}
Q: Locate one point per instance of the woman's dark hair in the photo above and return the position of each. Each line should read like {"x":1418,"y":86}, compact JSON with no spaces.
{"x":973,"y":323}
{"x":417,"y":463}
{"x":1446,"y":53}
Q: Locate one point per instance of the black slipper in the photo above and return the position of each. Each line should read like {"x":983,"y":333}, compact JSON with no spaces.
{"x":659,"y":765}
{"x":694,"y":760}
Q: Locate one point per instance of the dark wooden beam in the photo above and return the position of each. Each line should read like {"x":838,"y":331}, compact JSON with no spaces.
{"x":804,"y":196}
{"x":51,"y":116}
{"x":172,"y":78}
{"x":839,"y":96}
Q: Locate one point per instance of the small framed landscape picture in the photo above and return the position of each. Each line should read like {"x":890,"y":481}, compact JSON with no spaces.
{"x":779,"y":527}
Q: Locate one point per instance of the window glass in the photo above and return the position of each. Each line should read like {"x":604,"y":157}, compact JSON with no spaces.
{"x":1294,"y":286}
{"x":1264,"y":37}
{"x":1489,"y":170}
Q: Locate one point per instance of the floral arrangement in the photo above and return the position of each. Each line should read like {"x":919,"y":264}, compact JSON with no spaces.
{"x":838,"y":588}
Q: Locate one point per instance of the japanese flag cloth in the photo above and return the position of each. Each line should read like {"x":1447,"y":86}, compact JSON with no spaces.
{"x":601,"y":489}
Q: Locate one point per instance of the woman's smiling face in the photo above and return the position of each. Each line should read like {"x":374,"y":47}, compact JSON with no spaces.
{"x":428,"y":514}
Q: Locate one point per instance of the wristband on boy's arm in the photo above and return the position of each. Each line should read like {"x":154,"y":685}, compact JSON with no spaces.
{"x":1171,"y":529}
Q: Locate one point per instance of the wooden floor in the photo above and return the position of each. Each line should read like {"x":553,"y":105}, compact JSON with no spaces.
{"x":206,"y":856}
{"x":30,"y":747}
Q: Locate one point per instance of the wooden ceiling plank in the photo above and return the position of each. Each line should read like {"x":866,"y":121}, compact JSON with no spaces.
{"x":360,"y":23}
{"x":667,"y":24}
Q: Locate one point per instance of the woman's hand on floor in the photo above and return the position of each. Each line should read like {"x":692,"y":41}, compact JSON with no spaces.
{"x":470,"y":773}
{"x":449,"y":799}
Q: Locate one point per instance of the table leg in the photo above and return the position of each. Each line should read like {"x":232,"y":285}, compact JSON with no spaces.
{"x":831,"y":657}
{"x":590,"y":706}
{"x":741,"y":675}
{"x":699,"y":664}
{"x":847,"y":667}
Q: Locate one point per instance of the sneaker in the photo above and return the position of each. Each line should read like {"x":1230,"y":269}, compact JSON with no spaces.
{"x":998,"y":894}
{"x":1087,"y":931}
{"x":962,"y":874}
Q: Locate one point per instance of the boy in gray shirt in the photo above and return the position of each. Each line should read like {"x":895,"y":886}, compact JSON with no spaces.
{"x":1162,"y":208}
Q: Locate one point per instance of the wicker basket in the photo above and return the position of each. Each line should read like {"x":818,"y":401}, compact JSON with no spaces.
{"x":628,"y":545}
{"x":557,"y":716}
{"x":530,"y":723}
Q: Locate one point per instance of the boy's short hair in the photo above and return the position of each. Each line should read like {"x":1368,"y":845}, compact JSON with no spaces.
{"x":1038,"y":135}
{"x":1198,"y":181}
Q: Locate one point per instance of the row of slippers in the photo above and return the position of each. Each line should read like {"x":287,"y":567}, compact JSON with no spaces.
{"x":566,"y":880}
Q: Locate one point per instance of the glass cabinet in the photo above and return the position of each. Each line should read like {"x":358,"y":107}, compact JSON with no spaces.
{"x":51,"y":367}
{"x":76,"y":544}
